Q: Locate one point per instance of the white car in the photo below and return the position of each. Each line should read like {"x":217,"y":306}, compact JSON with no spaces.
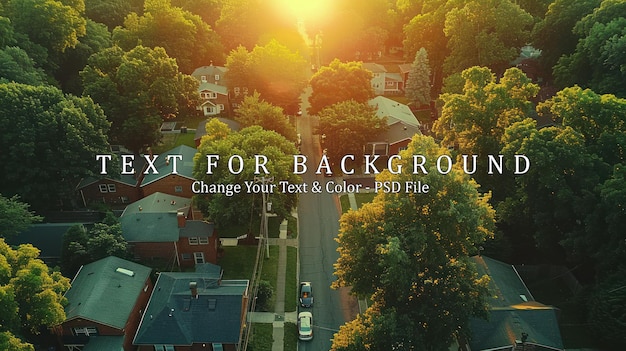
{"x":305,"y":326}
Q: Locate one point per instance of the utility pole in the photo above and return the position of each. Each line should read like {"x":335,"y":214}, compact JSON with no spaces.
{"x":266,"y":207}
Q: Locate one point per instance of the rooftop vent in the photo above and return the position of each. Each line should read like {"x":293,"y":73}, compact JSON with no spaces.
{"x":125,"y":271}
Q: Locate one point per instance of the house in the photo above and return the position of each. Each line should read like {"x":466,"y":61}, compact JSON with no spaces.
{"x":517,"y":322}
{"x":169,"y":180}
{"x":201,"y":129}
{"x":161,"y":227}
{"x":108,"y":190}
{"x":401,"y":123}
{"x":385,"y":82}
{"x":213,"y":90}
{"x":194,"y":311}
{"x":104,"y":306}
{"x":47,"y":237}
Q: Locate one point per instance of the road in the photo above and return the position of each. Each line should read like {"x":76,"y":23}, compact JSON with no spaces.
{"x":318,"y":217}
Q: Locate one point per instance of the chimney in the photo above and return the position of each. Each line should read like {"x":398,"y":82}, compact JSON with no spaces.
{"x":181,"y":219}
{"x":193,"y":286}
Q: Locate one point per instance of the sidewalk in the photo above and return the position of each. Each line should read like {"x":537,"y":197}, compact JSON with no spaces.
{"x":278,"y":317}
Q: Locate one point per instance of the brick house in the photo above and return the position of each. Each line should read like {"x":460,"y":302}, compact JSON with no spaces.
{"x":162,"y":227}
{"x":191,"y":311}
{"x":213,"y":90}
{"x":105,"y":303}
{"x":402,"y":125}
{"x":116,"y":192}
{"x":171,"y":181}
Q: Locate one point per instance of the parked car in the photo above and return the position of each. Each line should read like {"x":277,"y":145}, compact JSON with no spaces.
{"x":306,"y":294}
{"x":305,"y":326}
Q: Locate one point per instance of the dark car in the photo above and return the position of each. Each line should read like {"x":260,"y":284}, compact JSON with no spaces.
{"x":306,"y":294}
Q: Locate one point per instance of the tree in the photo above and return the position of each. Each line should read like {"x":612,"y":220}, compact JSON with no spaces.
{"x":138,"y":90}
{"x":82,"y":246}
{"x":598,"y":61}
{"x":51,"y":144}
{"x":347,"y":126}
{"x":485,"y":33}
{"x":607,"y":308}
{"x":31,"y":296}
{"x":554,"y":33}
{"x":475,"y":121}
{"x":264,"y":295}
{"x":15,"y":216}
{"x":272,"y":70}
{"x":339,"y":82}
{"x":183,"y":35}
{"x":55,"y":25}
{"x":241,"y":208}
{"x":108,"y":12}
{"x":239,"y":25}
{"x":11,"y":343}
{"x":410,"y":252}
{"x":254,"y":111}
{"x":16,"y":66}
{"x":418,"y":84}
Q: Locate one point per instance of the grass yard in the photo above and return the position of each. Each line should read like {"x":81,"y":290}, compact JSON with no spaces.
{"x":290,"y":343}
{"x":238,"y":263}
{"x":262,"y":337}
{"x":172,"y":140}
{"x":361,"y":198}
{"x":291,"y":280}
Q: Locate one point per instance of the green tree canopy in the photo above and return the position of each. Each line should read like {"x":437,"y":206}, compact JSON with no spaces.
{"x":16,"y":66}
{"x":243,"y":207}
{"x":348,"y":125}
{"x":51,"y":142}
{"x":15,"y":216}
{"x":254,"y":111}
{"x":31,"y":295}
{"x":183,"y":35}
{"x":339,"y":82}
{"x":138,"y":90}
{"x":274,"y":71}
{"x":410,"y":252}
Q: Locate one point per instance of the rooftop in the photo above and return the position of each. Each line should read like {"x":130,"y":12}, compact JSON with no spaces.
{"x":106,"y":291}
{"x":184,"y":166}
{"x":394,"y":111}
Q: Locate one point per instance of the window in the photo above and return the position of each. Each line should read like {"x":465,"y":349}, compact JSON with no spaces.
{"x":111,"y":188}
{"x":193,"y":240}
{"x":209,"y":110}
{"x":88,"y":331}
{"x":178,"y":189}
{"x":221,"y":106}
{"x":186,"y":256}
{"x":217,"y":77}
{"x":203,"y":240}
{"x":236,"y":90}
{"x":198,"y":257}
{"x":103,"y":188}
{"x":203,"y":78}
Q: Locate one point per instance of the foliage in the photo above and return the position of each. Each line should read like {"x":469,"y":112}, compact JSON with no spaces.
{"x":607,"y":310}
{"x":339,"y":82}
{"x":183,"y":35}
{"x":418,"y":84}
{"x":55,"y":25}
{"x":15,"y":216}
{"x":108,"y":12}
{"x":241,"y":207}
{"x":16,"y":66}
{"x":9,"y":342}
{"x":410,"y":252}
{"x":82,"y":246}
{"x":272,"y":70}
{"x":138,"y":90}
{"x":254,"y":111}
{"x":598,"y":61}
{"x":348,"y":125}
{"x":264,"y":295}
{"x":31,"y":296}
{"x":475,"y":121}
{"x":50,"y":144}
{"x":554,"y":35}
{"x":239,"y":25}
{"x":485,"y":33}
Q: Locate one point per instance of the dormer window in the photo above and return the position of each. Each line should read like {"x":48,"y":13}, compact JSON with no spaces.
{"x":203,"y":79}
{"x":217,"y":77}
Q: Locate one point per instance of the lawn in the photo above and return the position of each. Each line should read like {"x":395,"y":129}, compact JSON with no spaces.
{"x":361,"y":198}
{"x":172,"y":140}
{"x":262,"y":337}
{"x":291,"y":283}
{"x":238,"y":263}
{"x":290,"y":343}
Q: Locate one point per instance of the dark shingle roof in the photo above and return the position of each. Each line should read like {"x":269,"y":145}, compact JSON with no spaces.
{"x":105,"y":295}
{"x":47,"y":237}
{"x":174,"y":317}
{"x":153,"y":218}
{"x":513,"y":311}
{"x":184,"y":167}
{"x":197,"y":228}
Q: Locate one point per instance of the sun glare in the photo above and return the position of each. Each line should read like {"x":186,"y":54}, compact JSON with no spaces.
{"x":305,"y":10}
